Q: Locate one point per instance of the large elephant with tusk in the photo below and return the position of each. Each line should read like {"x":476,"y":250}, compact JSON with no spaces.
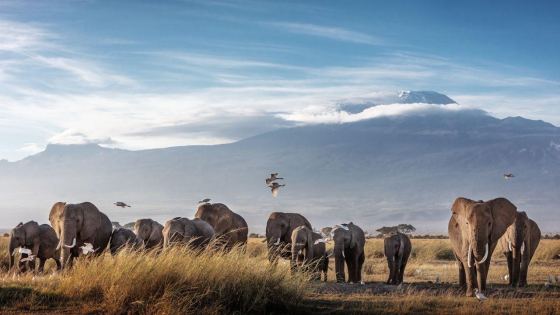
{"x":474,"y":229}
{"x":279,"y":228}
{"x":33,"y":241}
{"x":519,"y":244}
{"x":79,"y":225}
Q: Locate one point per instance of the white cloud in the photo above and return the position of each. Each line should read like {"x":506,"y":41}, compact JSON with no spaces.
{"x":335,"y":33}
{"x":314,"y":115}
{"x":31,"y":148}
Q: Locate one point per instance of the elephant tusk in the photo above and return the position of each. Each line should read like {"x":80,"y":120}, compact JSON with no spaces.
{"x":522,"y":248}
{"x":485,"y":255}
{"x":277,"y":242}
{"x":59,"y":245}
{"x":343,"y":256}
{"x":509,"y":246}
{"x":14,"y":252}
{"x":321,"y":240}
{"x":73,"y":244}
{"x":469,"y":256}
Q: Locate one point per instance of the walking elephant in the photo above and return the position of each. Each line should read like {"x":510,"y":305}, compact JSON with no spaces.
{"x":197,"y":233}
{"x":397,"y":248}
{"x":229,"y":226}
{"x":149,"y":232}
{"x":279,"y":229}
{"x":34,"y":241}
{"x":475,"y":228}
{"x":309,"y":249}
{"x":349,"y":240}
{"x":519,"y":244}
{"x":77,"y":225}
{"x":121,"y":238}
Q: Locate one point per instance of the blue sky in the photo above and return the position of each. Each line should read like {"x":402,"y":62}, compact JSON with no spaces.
{"x":145,"y":74}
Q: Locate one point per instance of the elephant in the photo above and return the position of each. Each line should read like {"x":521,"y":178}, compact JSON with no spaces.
{"x":39,"y":240}
{"x":279,"y":229}
{"x":397,"y":248}
{"x":197,"y":232}
{"x":79,"y":225}
{"x":229,"y":226}
{"x":519,"y":244}
{"x":475,"y":228}
{"x":121,"y":238}
{"x":312,"y":247}
{"x":349,"y":240}
{"x":149,"y":232}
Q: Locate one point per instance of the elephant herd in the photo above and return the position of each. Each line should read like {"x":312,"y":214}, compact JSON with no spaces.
{"x":475,"y":229}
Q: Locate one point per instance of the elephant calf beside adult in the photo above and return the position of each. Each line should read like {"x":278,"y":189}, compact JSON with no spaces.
{"x":149,"y":232}
{"x":78,"y":224}
{"x":475,"y":228}
{"x":197,"y":233}
{"x":312,"y":247}
{"x":40,"y":241}
{"x":519,"y":244}
{"x":349,"y":240}
{"x":122,"y":238}
{"x":229,"y":226}
{"x":397,"y":249}
{"x":279,"y":229}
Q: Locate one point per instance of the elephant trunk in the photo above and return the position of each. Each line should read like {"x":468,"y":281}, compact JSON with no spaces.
{"x":11,"y":251}
{"x":339,"y":262}
{"x":296,"y":249}
{"x":68,"y":242}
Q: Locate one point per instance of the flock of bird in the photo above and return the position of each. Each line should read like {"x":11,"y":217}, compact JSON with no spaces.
{"x":271,"y":182}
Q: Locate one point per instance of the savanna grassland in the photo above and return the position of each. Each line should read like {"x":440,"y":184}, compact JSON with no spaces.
{"x":180,"y":281}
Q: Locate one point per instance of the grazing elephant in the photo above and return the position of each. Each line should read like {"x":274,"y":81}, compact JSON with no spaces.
{"x":475,"y":228}
{"x":279,"y":228}
{"x":196,"y":232}
{"x":78,"y":224}
{"x":121,"y":238}
{"x":229,"y":226}
{"x":149,"y":232}
{"x":312,"y":247}
{"x":397,"y":250}
{"x":349,"y":240}
{"x":40,"y":241}
{"x":519,"y":243}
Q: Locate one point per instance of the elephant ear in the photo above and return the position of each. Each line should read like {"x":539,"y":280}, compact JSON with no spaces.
{"x":352,"y":238}
{"x":503,"y":213}
{"x":459,"y":208}
{"x":154,"y":231}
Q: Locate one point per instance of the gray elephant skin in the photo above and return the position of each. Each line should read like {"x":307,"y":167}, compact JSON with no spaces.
{"x":349,"y":240}
{"x":196,"y":233}
{"x":122,"y":238}
{"x":309,"y":250}
{"x":475,"y":227}
{"x":149,"y":232}
{"x":77,"y":224}
{"x":519,"y":244}
{"x":397,"y":248}
{"x":230,"y":227}
{"x":40,"y":239}
{"x":279,"y":229}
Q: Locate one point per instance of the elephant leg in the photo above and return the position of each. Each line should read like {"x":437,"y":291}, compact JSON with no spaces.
{"x":523,"y":272}
{"x":509,"y":257}
{"x":360,"y":267}
{"x":41,"y":265}
{"x":481,"y":274}
{"x":390,"y":264}
{"x":58,"y":264}
{"x":32,"y":265}
{"x":401,"y":271}
{"x":470,"y":277}
{"x":462,"y":279}
{"x":350,"y":265}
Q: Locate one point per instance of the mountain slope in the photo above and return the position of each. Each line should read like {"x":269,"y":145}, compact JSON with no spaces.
{"x":395,"y":169}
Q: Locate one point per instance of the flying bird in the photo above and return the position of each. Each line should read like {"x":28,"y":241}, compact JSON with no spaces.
{"x":206,"y":200}
{"x":273,"y":177}
{"x":121,"y":204}
{"x":480,"y":296}
{"x":509,"y":176}
{"x":274,"y":188}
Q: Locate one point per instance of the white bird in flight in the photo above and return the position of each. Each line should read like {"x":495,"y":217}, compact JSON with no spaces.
{"x":274,"y":188}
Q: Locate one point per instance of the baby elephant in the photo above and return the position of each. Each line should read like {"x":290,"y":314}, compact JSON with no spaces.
{"x":34,"y":241}
{"x":197,"y":233}
{"x":397,"y":251}
{"x":308,"y":248}
{"x":121,"y":238}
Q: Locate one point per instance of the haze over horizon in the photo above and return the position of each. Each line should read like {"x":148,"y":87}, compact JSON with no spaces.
{"x":208,"y":72}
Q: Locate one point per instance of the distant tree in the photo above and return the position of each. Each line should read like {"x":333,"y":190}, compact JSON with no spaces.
{"x":254,"y":235}
{"x":116,"y":225}
{"x":6,"y":234}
